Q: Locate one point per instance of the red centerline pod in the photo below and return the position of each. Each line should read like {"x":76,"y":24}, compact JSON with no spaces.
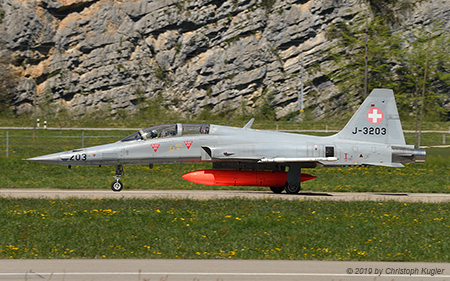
{"x":240,"y":178}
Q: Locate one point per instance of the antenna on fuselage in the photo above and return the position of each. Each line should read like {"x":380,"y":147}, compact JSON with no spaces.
{"x":249,"y":124}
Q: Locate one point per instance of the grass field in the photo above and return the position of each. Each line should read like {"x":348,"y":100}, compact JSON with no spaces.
{"x":428,"y":177}
{"x":225,"y":229}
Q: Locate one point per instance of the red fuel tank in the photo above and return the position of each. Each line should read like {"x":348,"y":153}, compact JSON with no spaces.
{"x":240,"y":178}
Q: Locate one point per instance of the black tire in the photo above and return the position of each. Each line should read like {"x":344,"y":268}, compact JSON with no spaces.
{"x":277,"y":189}
{"x":116,"y":186}
{"x":292,"y":188}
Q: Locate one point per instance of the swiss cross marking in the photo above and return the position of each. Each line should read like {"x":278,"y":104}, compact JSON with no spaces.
{"x":155,"y":146}
{"x":375,"y":115}
{"x":188,"y":144}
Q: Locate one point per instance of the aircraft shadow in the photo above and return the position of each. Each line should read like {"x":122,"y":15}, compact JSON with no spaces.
{"x":392,"y":194}
{"x":313,"y":194}
{"x":303,"y":194}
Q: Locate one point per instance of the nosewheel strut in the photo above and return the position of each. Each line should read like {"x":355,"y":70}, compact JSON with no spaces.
{"x":117,"y":185}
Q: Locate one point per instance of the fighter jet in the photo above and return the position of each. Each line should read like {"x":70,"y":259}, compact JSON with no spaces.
{"x":251,"y":157}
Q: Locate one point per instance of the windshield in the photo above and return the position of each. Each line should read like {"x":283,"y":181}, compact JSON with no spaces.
{"x":168,"y":130}
{"x":189,"y":129}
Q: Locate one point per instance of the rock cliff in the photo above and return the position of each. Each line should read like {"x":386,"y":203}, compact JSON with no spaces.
{"x":188,"y":55}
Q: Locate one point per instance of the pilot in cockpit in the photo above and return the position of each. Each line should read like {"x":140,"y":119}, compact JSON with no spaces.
{"x":153,"y":134}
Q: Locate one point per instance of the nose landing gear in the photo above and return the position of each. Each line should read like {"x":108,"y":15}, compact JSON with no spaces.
{"x":117,"y":185}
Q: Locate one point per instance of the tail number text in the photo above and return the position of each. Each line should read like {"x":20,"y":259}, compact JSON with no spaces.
{"x":370,"y":131}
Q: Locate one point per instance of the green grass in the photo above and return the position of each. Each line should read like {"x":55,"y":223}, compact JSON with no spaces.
{"x":224,"y":229}
{"x":428,"y":177}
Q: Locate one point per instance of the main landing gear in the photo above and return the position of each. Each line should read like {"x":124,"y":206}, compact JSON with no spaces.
{"x":293,"y":181}
{"x":290,"y":188}
{"x":117,"y":185}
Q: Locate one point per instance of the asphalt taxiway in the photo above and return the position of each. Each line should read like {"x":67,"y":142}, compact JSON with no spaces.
{"x":222,"y":194}
{"x":218,"y":270}
{"x":215,"y":270}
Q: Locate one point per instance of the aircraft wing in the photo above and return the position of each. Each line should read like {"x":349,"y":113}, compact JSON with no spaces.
{"x":260,"y":154}
{"x":297,"y":159}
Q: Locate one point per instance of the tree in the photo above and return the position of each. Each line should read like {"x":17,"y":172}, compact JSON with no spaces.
{"x":414,"y":63}
{"x":368,"y":52}
{"x":424,"y":74}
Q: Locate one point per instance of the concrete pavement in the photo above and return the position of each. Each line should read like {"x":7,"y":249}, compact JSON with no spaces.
{"x":214,"y":270}
{"x":221,"y":194}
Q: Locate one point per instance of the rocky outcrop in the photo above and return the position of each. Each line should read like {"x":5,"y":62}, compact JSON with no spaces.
{"x":87,"y":55}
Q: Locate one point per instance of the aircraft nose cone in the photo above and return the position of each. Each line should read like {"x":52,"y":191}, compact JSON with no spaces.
{"x":48,"y":159}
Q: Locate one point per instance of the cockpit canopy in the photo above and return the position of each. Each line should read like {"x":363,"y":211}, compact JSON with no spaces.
{"x":167,"y":131}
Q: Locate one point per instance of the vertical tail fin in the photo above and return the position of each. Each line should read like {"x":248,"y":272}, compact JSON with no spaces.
{"x":376,"y":120}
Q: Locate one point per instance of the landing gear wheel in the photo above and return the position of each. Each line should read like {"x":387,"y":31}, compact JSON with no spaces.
{"x":292,"y":188}
{"x":116,"y":186}
{"x":277,"y":189}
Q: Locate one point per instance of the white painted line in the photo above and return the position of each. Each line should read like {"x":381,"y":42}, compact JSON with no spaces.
{"x":16,"y":274}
